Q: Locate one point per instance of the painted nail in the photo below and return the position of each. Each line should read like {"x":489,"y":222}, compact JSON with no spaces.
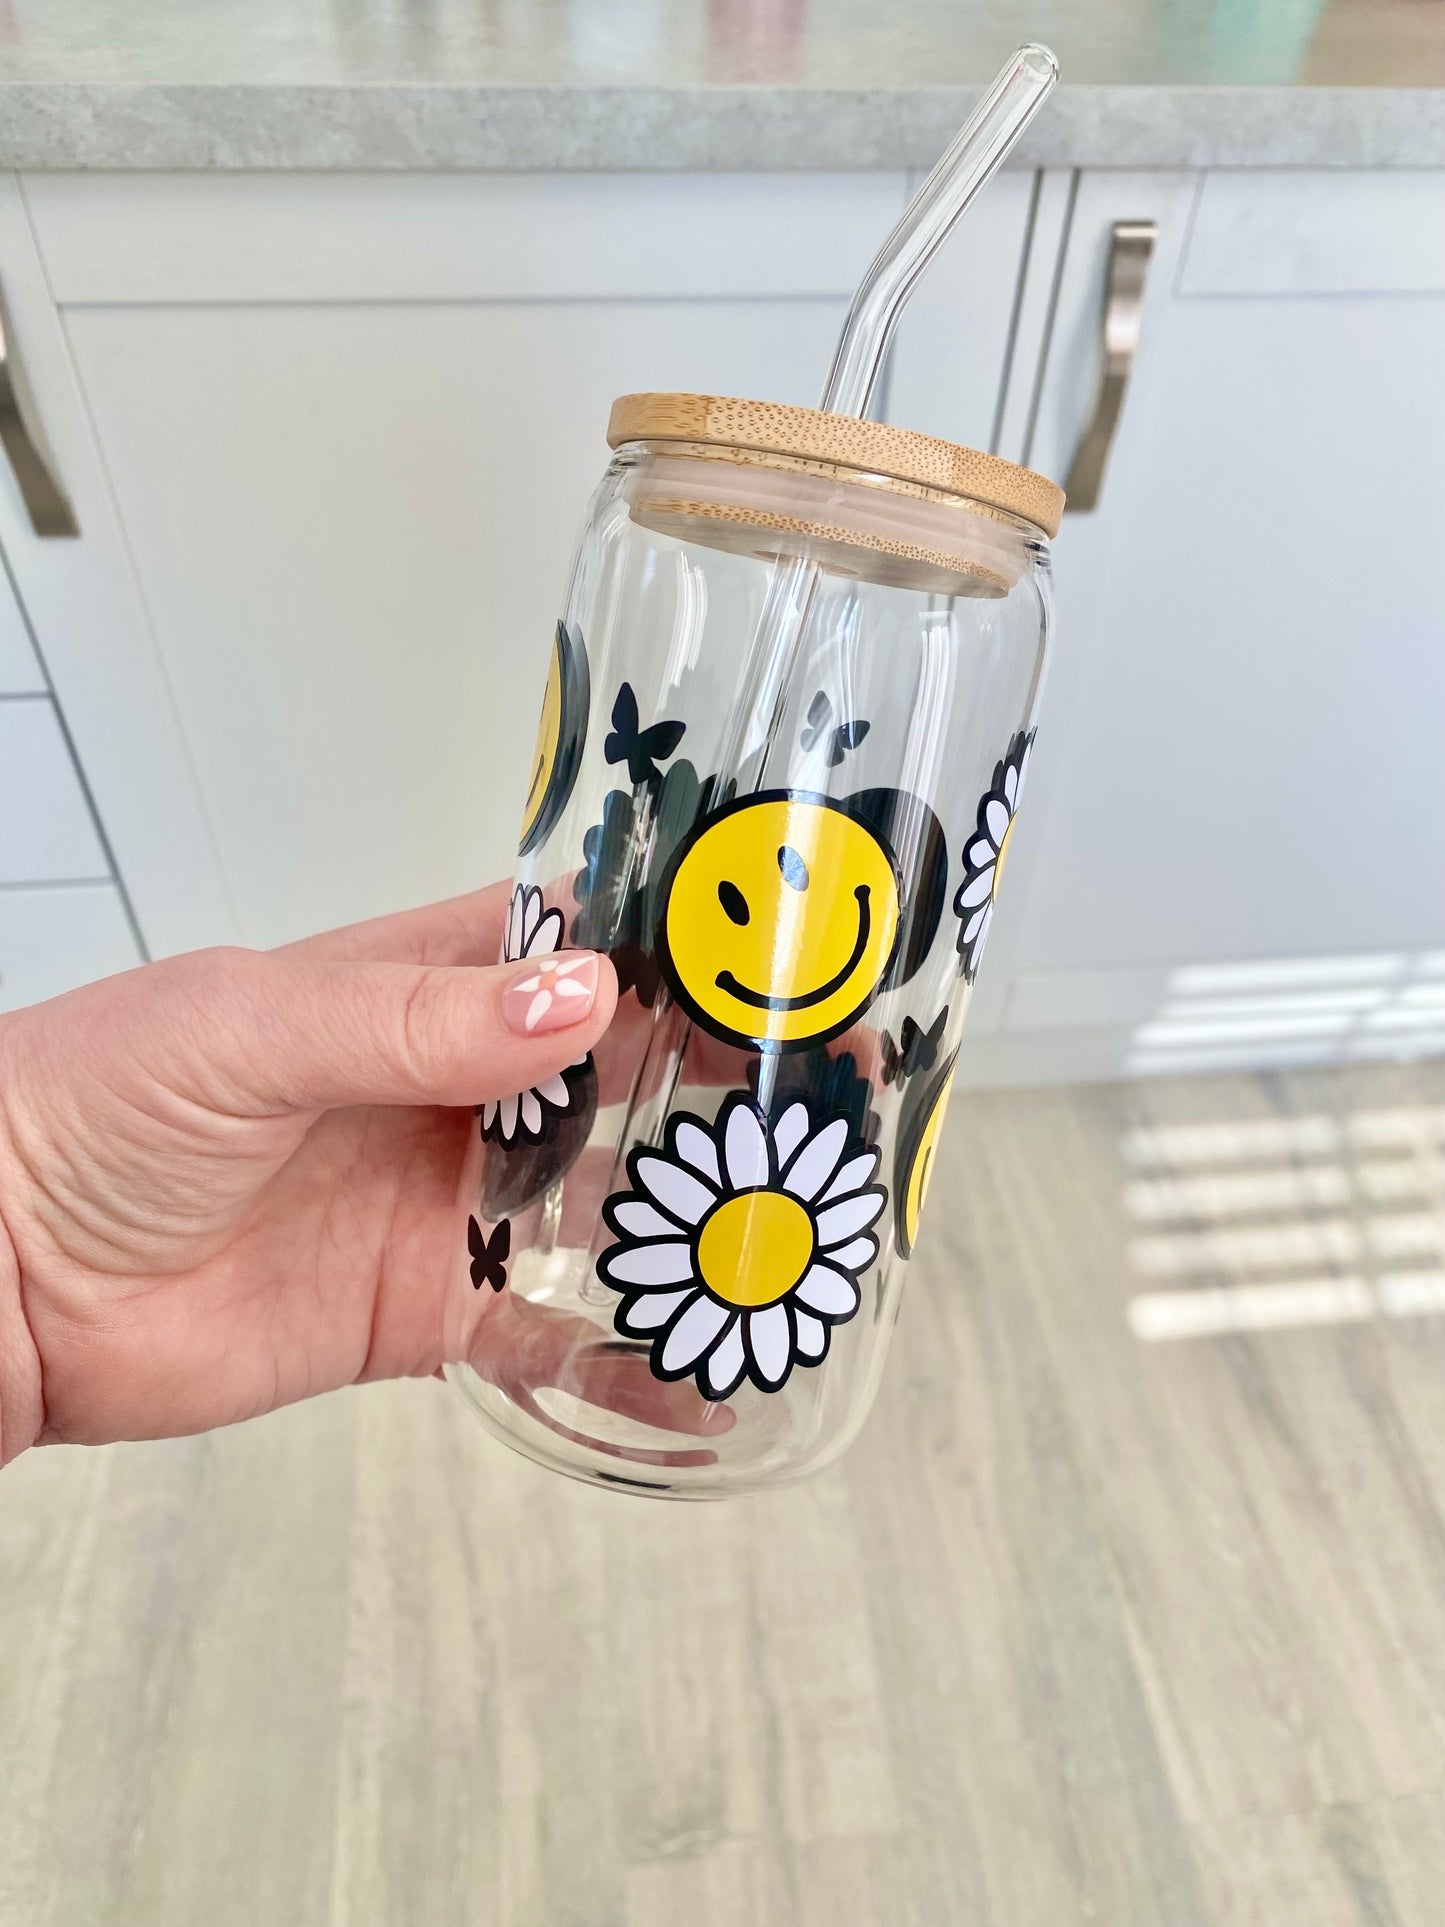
{"x":558,"y":991}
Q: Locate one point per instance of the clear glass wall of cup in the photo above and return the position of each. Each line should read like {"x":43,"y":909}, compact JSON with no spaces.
{"x":698,"y":1234}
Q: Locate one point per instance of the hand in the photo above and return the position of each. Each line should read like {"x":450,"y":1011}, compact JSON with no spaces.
{"x":235,"y":1179}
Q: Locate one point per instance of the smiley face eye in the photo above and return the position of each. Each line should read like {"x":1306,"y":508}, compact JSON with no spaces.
{"x":795,"y":871}
{"x":733,"y":901}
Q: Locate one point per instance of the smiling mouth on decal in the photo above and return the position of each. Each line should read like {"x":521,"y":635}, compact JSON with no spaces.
{"x":805,"y":1000}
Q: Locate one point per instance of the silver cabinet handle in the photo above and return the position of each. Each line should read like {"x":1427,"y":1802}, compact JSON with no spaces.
{"x":1130,"y":247}
{"x":45,"y":503}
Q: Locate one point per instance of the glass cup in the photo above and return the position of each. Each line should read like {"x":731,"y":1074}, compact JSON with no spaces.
{"x":784,"y":738}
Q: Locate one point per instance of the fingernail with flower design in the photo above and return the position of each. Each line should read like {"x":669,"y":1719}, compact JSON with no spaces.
{"x":557,"y":991}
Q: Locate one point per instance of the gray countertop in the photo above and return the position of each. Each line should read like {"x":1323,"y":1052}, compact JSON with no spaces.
{"x":709,"y":83}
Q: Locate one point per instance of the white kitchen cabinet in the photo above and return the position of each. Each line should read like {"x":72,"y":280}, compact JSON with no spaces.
{"x":348,"y":427}
{"x":329,"y":439}
{"x":1235,"y":832}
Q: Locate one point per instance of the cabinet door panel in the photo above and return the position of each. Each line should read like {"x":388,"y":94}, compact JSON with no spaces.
{"x":352,"y":526}
{"x":349,"y":426}
{"x":1053,"y":380}
{"x":135,"y":238}
{"x":1239,"y":764}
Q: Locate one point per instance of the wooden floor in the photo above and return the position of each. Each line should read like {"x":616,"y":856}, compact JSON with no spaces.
{"x":1100,"y":1623}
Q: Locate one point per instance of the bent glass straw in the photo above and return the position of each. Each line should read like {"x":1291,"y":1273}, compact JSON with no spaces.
{"x":967,"y":165}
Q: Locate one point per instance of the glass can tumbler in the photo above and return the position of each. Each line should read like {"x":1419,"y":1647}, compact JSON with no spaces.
{"x":785,"y":733}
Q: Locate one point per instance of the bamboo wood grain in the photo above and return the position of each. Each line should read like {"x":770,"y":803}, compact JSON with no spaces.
{"x":875,"y":448}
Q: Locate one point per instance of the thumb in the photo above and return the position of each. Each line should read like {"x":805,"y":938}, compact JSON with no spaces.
{"x":278,"y":1032}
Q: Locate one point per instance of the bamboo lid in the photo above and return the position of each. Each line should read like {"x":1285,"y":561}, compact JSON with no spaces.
{"x":875,"y":449}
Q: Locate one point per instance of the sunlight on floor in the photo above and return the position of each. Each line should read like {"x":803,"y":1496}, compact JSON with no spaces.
{"x":1313,"y":1186}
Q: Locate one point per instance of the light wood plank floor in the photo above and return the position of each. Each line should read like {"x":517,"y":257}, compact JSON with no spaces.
{"x":1099,"y":1623}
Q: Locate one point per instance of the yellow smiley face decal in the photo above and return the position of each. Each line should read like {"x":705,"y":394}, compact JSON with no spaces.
{"x":917,"y":1142}
{"x":561,"y":736}
{"x":779,"y":920}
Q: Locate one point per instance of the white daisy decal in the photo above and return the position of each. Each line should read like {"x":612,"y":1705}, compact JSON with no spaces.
{"x":986,"y":852}
{"x":741,"y":1242}
{"x":531,"y":931}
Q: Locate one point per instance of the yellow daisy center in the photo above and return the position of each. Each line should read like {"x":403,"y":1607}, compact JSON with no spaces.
{"x":755,"y":1247}
{"x":1001,"y":858}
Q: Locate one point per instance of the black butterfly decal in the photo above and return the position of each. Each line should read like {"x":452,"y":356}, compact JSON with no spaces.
{"x":489,"y":1255}
{"x":640,"y":749}
{"x":845,"y":737}
{"x":833,"y":1086}
{"x":916,"y":1049}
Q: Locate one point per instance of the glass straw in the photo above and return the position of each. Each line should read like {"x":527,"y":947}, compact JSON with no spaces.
{"x":967,"y":165}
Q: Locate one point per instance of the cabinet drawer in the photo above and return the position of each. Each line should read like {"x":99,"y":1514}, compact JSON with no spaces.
{"x":53,"y":939}
{"x":47,"y":834}
{"x":421,"y":237}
